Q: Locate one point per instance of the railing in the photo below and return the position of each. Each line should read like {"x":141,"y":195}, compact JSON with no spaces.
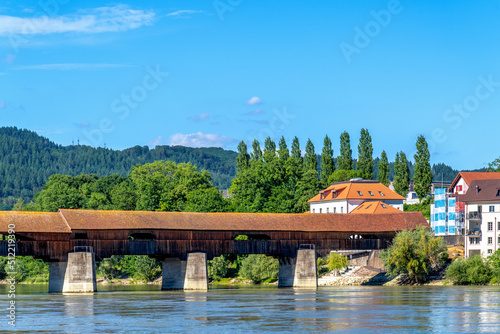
{"x":474,"y":233}
{"x":84,"y":249}
{"x":307,"y":246}
{"x":474,"y":215}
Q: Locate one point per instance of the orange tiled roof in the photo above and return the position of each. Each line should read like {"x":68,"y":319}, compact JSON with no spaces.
{"x":27,"y":221}
{"x":471,"y":176}
{"x":375,"y":207}
{"x":370,"y":190}
{"x":127,"y":220}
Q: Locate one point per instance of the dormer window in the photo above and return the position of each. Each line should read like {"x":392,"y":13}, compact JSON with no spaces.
{"x":371,"y":194}
{"x":381,"y":193}
{"x":498,"y":193}
{"x":383,"y":205}
{"x":359,"y":193}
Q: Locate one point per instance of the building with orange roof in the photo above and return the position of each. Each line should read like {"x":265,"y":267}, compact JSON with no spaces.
{"x":375,"y":208}
{"x":463,"y":180}
{"x":344,"y":197}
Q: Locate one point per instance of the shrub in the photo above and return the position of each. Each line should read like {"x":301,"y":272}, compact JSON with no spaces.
{"x":473,"y":270}
{"x":414,"y":252}
{"x":218,"y":267}
{"x":337,"y":262}
{"x":259,"y":267}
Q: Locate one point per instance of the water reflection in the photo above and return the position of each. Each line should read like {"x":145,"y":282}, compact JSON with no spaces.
{"x":350,"y":309}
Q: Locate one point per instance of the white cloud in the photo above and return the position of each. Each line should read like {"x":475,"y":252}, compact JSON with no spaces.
{"x":68,"y":67}
{"x":200,"y":117}
{"x":184,"y":13}
{"x":199,"y":139}
{"x":97,"y":20}
{"x":254,"y":100}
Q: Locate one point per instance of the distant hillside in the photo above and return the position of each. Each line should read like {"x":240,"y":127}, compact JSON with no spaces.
{"x":27,"y":160}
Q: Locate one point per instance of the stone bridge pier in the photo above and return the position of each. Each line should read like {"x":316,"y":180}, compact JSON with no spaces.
{"x":76,"y":275}
{"x":299,"y":272}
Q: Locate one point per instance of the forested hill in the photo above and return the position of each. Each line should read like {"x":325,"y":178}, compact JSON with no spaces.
{"x":27,"y":160}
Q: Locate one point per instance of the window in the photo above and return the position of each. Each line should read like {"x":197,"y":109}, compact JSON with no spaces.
{"x":499,"y":240}
{"x":371,"y":194}
{"x":327,"y":210}
{"x":334,"y":210}
{"x":341,"y":209}
{"x":498,"y":226}
{"x":492,"y":208}
{"x":383,"y":205}
{"x":381,"y":193}
{"x":490,"y":240}
{"x":498,"y":192}
{"x":359,"y":193}
{"x":490,"y":251}
{"x":320,"y":210}
{"x":314,"y":210}
{"x":490,"y":226}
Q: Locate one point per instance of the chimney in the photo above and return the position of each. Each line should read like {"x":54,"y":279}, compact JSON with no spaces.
{"x":477,"y":189}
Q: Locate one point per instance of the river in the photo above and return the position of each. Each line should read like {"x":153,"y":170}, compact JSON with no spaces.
{"x":360,"y":309}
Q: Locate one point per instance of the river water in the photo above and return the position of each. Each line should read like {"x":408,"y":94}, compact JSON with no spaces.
{"x":361,"y":309}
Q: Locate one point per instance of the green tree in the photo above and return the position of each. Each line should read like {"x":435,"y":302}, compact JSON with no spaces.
{"x":217,"y":268}
{"x":341,"y":175}
{"x":474,"y":270}
{"x":422,"y":177}
{"x":258,"y":267}
{"x":337,"y":261}
{"x":415,"y":253}
{"x":283,"y":152}
{"x":269,"y":150}
{"x":327,"y":162}
{"x":146,"y":268}
{"x":365,"y":155}
{"x":243,"y":158}
{"x":344,"y":161}
{"x":296,"y":153}
{"x":306,"y":188}
{"x":310,"y":161}
{"x":383,"y":169}
{"x":256,"y":154}
{"x":401,"y":174}
{"x":19,"y":206}
{"x":494,"y":166}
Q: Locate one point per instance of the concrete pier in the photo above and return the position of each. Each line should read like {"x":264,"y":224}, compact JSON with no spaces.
{"x":77,"y":275}
{"x":299,"y":272}
{"x":188,"y":275}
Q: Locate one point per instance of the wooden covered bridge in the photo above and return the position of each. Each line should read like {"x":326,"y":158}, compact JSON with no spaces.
{"x":71,"y":240}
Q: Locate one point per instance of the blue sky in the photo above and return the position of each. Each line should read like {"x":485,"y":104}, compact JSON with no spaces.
{"x":213,"y":73}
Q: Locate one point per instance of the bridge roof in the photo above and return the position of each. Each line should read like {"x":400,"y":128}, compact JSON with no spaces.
{"x":26,"y":221}
{"x":140,"y":220}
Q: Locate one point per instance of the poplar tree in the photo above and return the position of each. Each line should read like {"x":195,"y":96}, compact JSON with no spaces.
{"x":422,"y":177}
{"x":296,"y":153}
{"x":383,"y":169}
{"x":256,"y":151}
{"x":283,"y":152}
{"x":310,"y":158}
{"x":365,"y":155}
{"x":327,"y":162}
{"x":401,"y":174}
{"x":269,"y":150}
{"x":243,"y":158}
{"x":344,"y":160}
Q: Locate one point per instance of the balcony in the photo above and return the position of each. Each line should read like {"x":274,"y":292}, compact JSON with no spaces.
{"x":474,"y":215}
{"x":474,"y":233}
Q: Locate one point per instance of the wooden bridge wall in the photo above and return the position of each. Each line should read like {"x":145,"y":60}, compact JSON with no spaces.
{"x":177,"y":243}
